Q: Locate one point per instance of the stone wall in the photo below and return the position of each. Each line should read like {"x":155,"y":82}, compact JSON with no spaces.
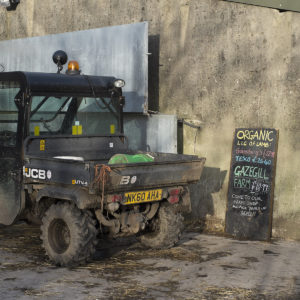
{"x":223,"y":64}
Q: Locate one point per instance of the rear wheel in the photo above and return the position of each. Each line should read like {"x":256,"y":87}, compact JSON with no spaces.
{"x":164,"y":230}
{"x":68,"y":234}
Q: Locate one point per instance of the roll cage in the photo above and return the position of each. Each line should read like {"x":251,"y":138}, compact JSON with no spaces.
{"x":60,"y":85}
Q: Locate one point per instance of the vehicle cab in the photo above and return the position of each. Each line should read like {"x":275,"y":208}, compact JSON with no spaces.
{"x":47,"y":105}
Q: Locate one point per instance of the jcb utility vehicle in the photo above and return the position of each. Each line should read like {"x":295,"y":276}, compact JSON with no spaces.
{"x":65,"y":164}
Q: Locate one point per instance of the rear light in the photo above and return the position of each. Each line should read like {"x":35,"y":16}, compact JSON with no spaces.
{"x":174,"y":195}
{"x":117,"y":198}
{"x":114,"y":198}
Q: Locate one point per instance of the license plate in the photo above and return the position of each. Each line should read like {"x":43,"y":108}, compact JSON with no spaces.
{"x":142,"y":196}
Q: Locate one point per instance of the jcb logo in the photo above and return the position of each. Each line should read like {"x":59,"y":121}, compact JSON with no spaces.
{"x":36,"y":173}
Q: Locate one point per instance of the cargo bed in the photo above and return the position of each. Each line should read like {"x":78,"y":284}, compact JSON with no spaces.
{"x":166,"y":170}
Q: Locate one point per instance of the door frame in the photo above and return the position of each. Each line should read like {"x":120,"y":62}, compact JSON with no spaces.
{"x":17,"y":151}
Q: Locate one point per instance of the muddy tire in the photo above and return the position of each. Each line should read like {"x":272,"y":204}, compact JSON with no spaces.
{"x":165,"y":229}
{"x":68,"y":234}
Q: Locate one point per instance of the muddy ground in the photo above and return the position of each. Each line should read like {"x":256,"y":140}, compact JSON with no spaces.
{"x":200,"y":267}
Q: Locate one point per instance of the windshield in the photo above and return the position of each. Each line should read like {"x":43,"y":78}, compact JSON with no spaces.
{"x":73,"y":116}
{"x":8,"y":112}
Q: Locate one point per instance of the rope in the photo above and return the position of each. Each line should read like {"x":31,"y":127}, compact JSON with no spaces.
{"x":101,"y":177}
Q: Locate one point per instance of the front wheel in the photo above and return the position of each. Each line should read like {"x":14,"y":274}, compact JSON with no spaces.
{"x":164,"y":229}
{"x":68,"y":234}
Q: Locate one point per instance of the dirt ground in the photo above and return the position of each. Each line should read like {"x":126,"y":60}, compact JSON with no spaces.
{"x":199,"y":267}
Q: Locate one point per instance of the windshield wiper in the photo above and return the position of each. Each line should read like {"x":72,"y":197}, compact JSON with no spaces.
{"x":104,"y":102}
{"x":107,"y":105}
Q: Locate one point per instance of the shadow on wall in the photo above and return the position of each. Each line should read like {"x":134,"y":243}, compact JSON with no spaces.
{"x":180,"y":138}
{"x":153,"y":72}
{"x":211,"y":181}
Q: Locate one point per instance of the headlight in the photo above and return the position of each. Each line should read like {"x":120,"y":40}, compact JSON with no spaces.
{"x":119,"y":83}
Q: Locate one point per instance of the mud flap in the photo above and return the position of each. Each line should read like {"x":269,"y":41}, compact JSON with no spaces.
{"x":185,"y":204}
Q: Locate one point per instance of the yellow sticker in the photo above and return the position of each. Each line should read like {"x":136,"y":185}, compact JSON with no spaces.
{"x":74,"y":130}
{"x":112,"y":129}
{"x":42,"y":145}
{"x":79,"y":129}
{"x":36,"y":130}
{"x":73,"y":181}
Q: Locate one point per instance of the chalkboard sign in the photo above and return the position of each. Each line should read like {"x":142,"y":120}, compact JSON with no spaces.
{"x":251,"y":183}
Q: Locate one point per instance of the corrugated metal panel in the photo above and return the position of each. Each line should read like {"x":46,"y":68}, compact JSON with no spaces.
{"x":119,"y":51}
{"x":293,"y":5}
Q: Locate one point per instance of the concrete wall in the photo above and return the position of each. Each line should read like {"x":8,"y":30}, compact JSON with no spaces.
{"x":227,"y":65}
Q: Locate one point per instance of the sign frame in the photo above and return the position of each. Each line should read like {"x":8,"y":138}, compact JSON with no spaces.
{"x":249,"y":210}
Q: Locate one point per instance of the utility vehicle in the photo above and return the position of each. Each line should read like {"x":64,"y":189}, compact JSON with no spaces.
{"x":65,"y":164}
